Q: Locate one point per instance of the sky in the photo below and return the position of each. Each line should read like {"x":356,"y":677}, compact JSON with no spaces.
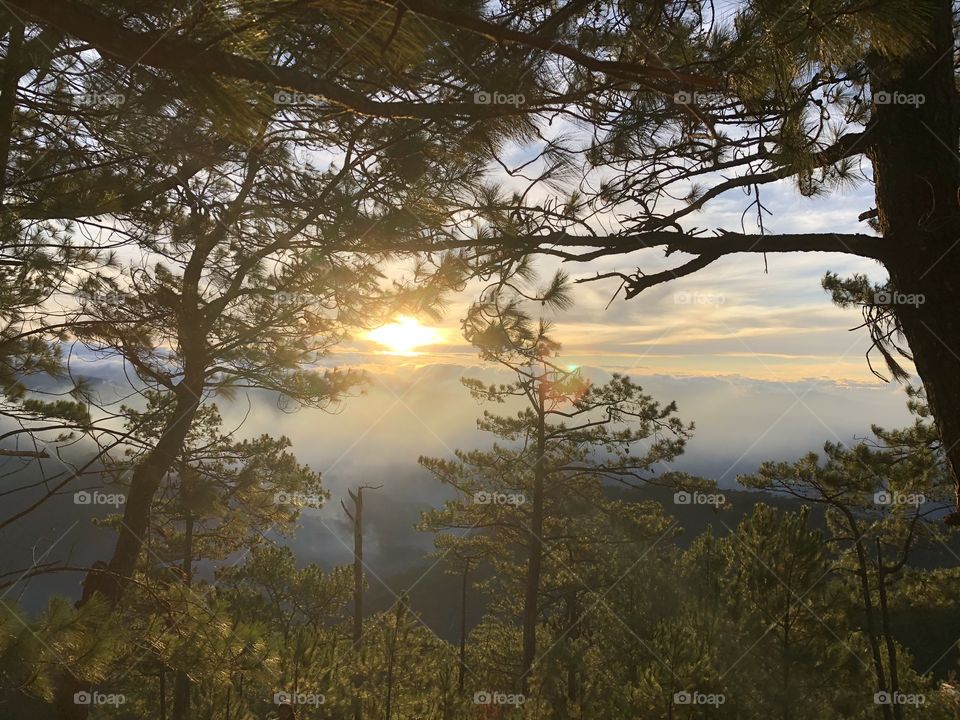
{"x":735,"y":317}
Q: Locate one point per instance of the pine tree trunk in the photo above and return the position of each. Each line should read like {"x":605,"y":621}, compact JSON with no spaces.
{"x":8,"y":100}
{"x":913,"y":148}
{"x":181,"y":696}
{"x":535,"y":561}
{"x":462,"y":672}
{"x":887,"y":634}
{"x":572,"y":633}
{"x":358,"y":569}
{"x":869,"y":622}
{"x":786,"y":711}
{"x":181,"y":688}
{"x":113,"y":579}
{"x":163,"y":694}
{"x":357,"y":518}
{"x":391,"y":659}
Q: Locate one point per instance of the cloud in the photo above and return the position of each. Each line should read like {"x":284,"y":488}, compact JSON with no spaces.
{"x":413,"y":411}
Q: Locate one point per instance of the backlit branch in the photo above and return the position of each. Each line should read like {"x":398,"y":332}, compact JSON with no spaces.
{"x":161,"y":49}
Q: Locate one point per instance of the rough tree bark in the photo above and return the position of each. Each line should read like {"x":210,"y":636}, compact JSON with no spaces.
{"x":916,"y":171}
{"x":8,"y":100}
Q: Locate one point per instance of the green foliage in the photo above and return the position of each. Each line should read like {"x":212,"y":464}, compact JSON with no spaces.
{"x":34,"y":652}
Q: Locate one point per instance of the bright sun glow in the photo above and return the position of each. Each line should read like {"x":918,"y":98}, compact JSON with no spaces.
{"x":404,"y":335}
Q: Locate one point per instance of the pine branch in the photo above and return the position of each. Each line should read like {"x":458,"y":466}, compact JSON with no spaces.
{"x":724,"y":243}
{"x":127,"y":201}
{"x":615,"y":68}
{"x":24,"y":453}
{"x":163,"y":50}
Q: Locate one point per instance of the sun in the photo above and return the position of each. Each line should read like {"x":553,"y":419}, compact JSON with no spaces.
{"x":404,"y":335}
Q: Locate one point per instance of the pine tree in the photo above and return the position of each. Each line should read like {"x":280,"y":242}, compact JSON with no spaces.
{"x":539,"y":491}
{"x":881,"y":497}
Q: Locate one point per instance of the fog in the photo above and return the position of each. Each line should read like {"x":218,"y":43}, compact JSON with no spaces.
{"x":410,"y":411}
